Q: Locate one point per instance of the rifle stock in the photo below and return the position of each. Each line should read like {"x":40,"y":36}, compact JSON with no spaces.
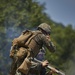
{"x":52,"y":68}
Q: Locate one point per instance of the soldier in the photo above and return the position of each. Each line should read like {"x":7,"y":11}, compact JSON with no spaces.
{"x":34,"y":46}
{"x":41,"y":67}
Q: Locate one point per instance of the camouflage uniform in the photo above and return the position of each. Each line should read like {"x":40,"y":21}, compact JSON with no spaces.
{"x":36,"y":44}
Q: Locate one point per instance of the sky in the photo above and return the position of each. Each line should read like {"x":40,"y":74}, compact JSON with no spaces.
{"x":61,"y":11}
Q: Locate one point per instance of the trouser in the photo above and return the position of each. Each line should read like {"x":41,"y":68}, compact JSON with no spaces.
{"x":13,"y":68}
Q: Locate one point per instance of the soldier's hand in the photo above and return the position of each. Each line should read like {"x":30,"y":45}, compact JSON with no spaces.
{"x":48,"y":37}
{"x":45,"y":63}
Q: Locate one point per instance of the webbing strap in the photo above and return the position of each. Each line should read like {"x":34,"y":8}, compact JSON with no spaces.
{"x":34,"y":34}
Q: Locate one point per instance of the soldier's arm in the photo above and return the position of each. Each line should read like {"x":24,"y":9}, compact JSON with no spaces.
{"x":49,"y":44}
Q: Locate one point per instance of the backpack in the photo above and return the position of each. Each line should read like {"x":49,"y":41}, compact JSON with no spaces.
{"x":20,"y":42}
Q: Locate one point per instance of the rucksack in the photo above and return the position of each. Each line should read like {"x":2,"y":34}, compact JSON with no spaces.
{"x":20,"y":42}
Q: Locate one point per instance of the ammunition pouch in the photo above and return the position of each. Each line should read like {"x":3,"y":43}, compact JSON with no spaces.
{"x":25,"y":66}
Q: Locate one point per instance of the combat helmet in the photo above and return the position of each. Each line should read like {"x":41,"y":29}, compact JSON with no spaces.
{"x":45,"y":27}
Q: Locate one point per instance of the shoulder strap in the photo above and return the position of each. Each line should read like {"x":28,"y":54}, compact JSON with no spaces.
{"x":34,"y":34}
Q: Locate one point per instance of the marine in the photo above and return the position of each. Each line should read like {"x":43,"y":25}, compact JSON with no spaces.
{"x":32,"y":48}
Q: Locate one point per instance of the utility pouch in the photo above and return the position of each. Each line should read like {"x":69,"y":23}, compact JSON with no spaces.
{"x":25,"y":66}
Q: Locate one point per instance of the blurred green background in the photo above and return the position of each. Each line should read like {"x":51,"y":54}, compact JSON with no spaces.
{"x":19,"y":15}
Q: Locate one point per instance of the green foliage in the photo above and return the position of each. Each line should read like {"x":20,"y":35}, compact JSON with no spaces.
{"x":22,"y":13}
{"x":64,"y":38}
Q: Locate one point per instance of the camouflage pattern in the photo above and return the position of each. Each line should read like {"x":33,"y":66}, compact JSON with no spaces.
{"x":36,"y":44}
{"x":34,"y":70}
{"x":38,"y":41}
{"x":45,"y":27}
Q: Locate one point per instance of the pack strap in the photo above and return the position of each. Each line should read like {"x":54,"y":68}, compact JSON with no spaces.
{"x":34,"y":34}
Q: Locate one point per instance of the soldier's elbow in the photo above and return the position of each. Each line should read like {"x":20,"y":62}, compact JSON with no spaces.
{"x":53,"y":49}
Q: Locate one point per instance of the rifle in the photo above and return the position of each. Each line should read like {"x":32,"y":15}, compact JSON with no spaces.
{"x":50,"y":67}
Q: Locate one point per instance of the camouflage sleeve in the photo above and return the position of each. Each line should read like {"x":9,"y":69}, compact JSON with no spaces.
{"x":41,"y":39}
{"x":48,"y":44}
